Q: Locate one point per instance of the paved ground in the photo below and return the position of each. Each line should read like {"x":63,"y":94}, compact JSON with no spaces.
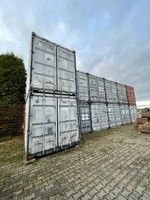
{"x":113,"y":164}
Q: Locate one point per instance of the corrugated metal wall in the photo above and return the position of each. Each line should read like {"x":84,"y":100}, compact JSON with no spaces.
{"x":61,"y":103}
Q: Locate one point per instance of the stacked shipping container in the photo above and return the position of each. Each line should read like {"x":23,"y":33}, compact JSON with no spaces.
{"x":103,"y":103}
{"x":51,"y":105}
{"x":84,"y":107}
{"x":55,"y":94}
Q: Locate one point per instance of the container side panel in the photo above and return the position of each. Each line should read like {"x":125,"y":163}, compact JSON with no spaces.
{"x":43,"y":65}
{"x":82,"y":82}
{"x":66,"y":71}
{"x":26,"y":124}
{"x":68,"y":132}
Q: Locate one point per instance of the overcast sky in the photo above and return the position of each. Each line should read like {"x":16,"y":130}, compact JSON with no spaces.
{"x":111,"y":37}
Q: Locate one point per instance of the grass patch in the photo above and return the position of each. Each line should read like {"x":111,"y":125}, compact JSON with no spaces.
{"x":11,"y":149}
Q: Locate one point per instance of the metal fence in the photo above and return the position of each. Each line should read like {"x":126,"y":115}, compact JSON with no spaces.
{"x":11,"y":134}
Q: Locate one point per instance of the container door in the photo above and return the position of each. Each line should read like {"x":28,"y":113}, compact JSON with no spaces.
{"x":85,"y":122}
{"x":128,"y":118}
{"x":66,"y":71}
{"x":111,"y":112}
{"x":43,"y":75}
{"x":93,"y":89}
{"x":117,"y":114}
{"x":133,"y":113}
{"x":99,"y":116}
{"x":111,"y":91}
{"x":104,"y":116}
{"x":96,"y":117}
{"x":42,"y":124}
{"x":108,"y":91}
{"x":114,"y":92}
{"x":68,"y":131}
{"x":83,"y":86}
{"x":122,"y":93}
{"x":119,"y":89}
{"x":125,"y":100}
{"x":123,"y":114}
{"x":101,"y":90}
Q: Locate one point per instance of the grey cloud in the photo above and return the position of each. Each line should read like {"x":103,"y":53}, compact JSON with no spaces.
{"x":111,"y":38}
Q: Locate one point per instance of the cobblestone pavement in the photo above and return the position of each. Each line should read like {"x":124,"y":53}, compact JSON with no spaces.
{"x":113,"y":164}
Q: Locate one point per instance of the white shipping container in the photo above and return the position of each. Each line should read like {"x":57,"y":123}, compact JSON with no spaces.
{"x":125,"y":114}
{"x":93,"y":88}
{"x":52,"y":67}
{"x":111,"y":91}
{"x":82,"y":83}
{"x":52,"y":121}
{"x":133,"y":113}
{"x":122,"y":95}
{"x":97,"y":89}
{"x":99,"y":116}
{"x":85,"y":120}
{"x":114,"y":115}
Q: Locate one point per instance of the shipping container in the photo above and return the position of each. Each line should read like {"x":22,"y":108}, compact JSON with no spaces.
{"x":96,"y":89}
{"x":125,"y":114}
{"x":93,"y":88}
{"x":111,"y":91}
{"x":122,"y":95}
{"x":52,"y":123}
{"x":85,"y":119}
{"x":130,"y":95}
{"x":82,"y":84}
{"x":61,"y":102}
{"x":99,"y":116}
{"x":133,"y":113}
{"x":52,"y":67}
{"x":114,"y":115}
